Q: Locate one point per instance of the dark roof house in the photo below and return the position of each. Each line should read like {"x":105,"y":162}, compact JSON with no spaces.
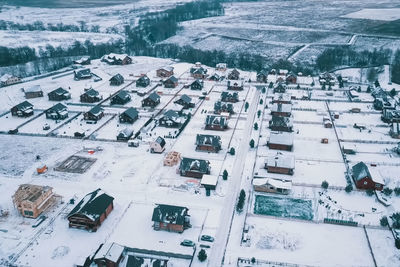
{"x":197,"y":85}
{"x":171,"y":82}
{"x":151,"y":101}
{"x":117,"y":79}
{"x":221,"y":107}
{"x":194,"y":167}
{"x":218,"y":123}
{"x":24,"y":109}
{"x":57,"y":112}
{"x":82,"y":74}
{"x":234,"y":75}
{"x":280,"y":123}
{"x":363,"y":179}
{"x":170,"y":218}
{"x":209,"y":143}
{"x":129,"y":116}
{"x":185,"y":101}
{"x":59,"y":94}
{"x":121,"y":98}
{"x":90,"y":96}
{"x":143,"y":81}
{"x":94,"y":114}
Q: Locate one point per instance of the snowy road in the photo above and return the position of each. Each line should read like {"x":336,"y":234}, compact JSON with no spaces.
{"x":217,"y":255}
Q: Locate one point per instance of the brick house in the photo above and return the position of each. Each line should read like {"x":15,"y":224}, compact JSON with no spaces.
{"x":129,"y":116}
{"x":281,"y":141}
{"x":165,"y":72}
{"x":280,"y":163}
{"x":171,"y":82}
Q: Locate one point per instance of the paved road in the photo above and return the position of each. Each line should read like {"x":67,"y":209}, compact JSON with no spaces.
{"x":217,"y":255}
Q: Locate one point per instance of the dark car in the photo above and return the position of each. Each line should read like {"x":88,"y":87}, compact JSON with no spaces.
{"x":13,"y":131}
{"x":187,"y":243}
{"x":207,"y":238}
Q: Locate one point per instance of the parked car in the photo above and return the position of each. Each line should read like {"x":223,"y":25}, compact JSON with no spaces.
{"x":207,"y":238}
{"x":187,"y":243}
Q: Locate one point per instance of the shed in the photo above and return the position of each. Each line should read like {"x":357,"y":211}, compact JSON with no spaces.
{"x":280,"y":163}
{"x":33,"y":92}
{"x":209,"y":181}
{"x":270,"y":185}
{"x":194,"y":167}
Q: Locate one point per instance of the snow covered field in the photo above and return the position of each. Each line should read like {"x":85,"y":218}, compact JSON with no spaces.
{"x":386,"y":14}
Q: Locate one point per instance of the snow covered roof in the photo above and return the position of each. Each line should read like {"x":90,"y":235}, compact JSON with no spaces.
{"x":279,"y":107}
{"x":284,"y":97}
{"x":274,"y":182}
{"x":93,"y":205}
{"x":33,"y":89}
{"x":154,"y":96}
{"x":24,"y":106}
{"x":169,"y":214}
{"x":57,"y":108}
{"x":206,"y":139}
{"x":92,"y":92}
{"x":279,"y":121}
{"x":167,"y":68}
{"x":209,"y":180}
{"x":197,"y":165}
{"x":59,"y":91}
{"x":131,"y":112}
{"x":126,"y":132}
{"x":282,"y":138}
{"x":122,"y":95}
{"x":216,"y":120}
{"x":96,"y":110}
{"x":280,"y":160}
{"x":110,"y":251}
{"x":361,"y":171}
{"x":5,"y":77}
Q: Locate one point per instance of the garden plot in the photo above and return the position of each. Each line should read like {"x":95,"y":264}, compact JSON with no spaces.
{"x":347,"y":106}
{"x":36,"y":126}
{"x":386,"y":14}
{"x":371,"y":134}
{"x":329,"y":95}
{"x":142,"y":235}
{"x":372,"y":153}
{"x":307,"y":116}
{"x":284,"y":207}
{"x":9,"y":122}
{"x":310,"y":105}
{"x":112,"y":129}
{"x":367,"y":119}
{"x":313,"y":132}
{"x":382,"y":243}
{"x":79,"y":125}
{"x":306,"y":243}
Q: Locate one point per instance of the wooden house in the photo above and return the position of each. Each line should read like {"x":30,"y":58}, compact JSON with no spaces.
{"x":129,"y":116}
{"x":171,"y":82}
{"x":57,"y":112}
{"x":235,"y":86}
{"x":280,"y":163}
{"x":197,"y":85}
{"x":94,"y":114}
{"x":217,"y":123}
{"x":185,"y":101}
{"x":33,"y":92}
{"x":158,"y":146}
{"x":282,"y":98}
{"x":262,"y":76}
{"x":125,"y":134}
{"x":221,"y":67}
{"x":82,"y":61}
{"x":117,"y":59}
{"x":208,"y":143}
{"x":230,"y":97}
{"x":8,"y":79}
{"x":116,"y":80}
{"x":269,"y":185}
{"x":291,"y":78}
{"x":165,"y":72}
{"x":82,"y":74}
{"x":108,"y":255}
{"x":91,"y":96}
{"x":198,"y":72}
{"x":121,"y":98}
{"x":171,"y":218}
{"x":24,"y":109}
{"x":215,"y":77}
{"x":281,"y":124}
{"x":280,"y":88}
{"x":281,"y":141}
{"x":194,"y":167}
{"x":171,"y":119}
{"x":31,"y":200}
{"x":143,"y":81}
{"x":59,"y":94}
{"x":151,"y":101}
{"x":363,"y":178}
{"x":284,"y":110}
{"x":91,"y":211}
{"x":223,"y":107}
{"x":234,"y":75}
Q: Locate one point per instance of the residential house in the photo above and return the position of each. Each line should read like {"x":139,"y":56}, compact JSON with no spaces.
{"x":194,"y":167}
{"x":83,"y":61}
{"x":158,"y":146}
{"x":221,"y":67}
{"x":390,"y":115}
{"x":33,"y":92}
{"x":31,"y":200}
{"x":363,"y":179}
{"x":197,"y":85}
{"x":280,"y":163}
{"x":198,"y":72}
{"x":171,"y":119}
{"x":291,"y":78}
{"x":171,"y":82}
{"x":121,"y":98}
{"x":185,"y":101}
{"x":217,"y":123}
{"x":234,"y":75}
{"x":24,"y":109}
{"x":8,"y":79}
{"x":270,"y":185}
{"x":215,"y":77}
{"x":221,"y":107}
{"x":262,"y":76}
{"x":395,"y":130}
{"x":280,"y":88}
{"x":91,"y":211}
{"x":282,"y":98}
{"x":91,"y":96}
{"x":281,"y":141}
{"x":59,"y":94}
{"x":327,"y":79}
{"x":117,"y":80}
{"x":57,"y":112}
{"x":143,"y":81}
{"x":109,"y":255}
{"x":94,"y":114}
{"x":151,"y":101}
{"x":281,"y":124}
{"x":125,"y":134}
{"x":284,"y":110}
{"x":235,"y":86}
{"x":208,"y":143}
{"x":165,"y":72}
{"x":230,"y":97}
{"x":171,"y":218}
{"x":117,"y":59}
{"x":82,"y":74}
{"x":129,"y":116}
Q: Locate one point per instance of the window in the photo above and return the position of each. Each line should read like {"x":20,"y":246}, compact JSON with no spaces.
{"x":28,"y":213}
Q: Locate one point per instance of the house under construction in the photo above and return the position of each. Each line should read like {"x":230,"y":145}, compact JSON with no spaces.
{"x":32,"y":200}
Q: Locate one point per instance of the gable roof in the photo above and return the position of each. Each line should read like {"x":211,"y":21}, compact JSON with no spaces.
{"x":172,"y":79}
{"x":117,"y":77}
{"x":167,"y":68}
{"x":122,"y":95}
{"x":154,"y":96}
{"x":185,"y":98}
{"x":171,"y":114}
{"x":360,"y":171}
{"x":24,"y":106}
{"x":216,"y":120}
{"x":131,"y":113}
{"x":33,"y":89}
{"x":281,"y":121}
{"x":57,"y":107}
{"x":280,"y":160}
{"x":59,"y":91}
{"x":169,"y":214}
{"x":197,"y":165}
{"x":93,"y":205}
{"x":206,"y":139}
{"x":279,"y":107}
{"x":282,"y":138}
{"x":143,"y":78}
{"x":91,"y":92}
{"x":96,"y":110}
